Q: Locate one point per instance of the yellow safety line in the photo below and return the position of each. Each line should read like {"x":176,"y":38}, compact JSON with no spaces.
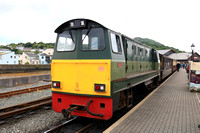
{"x":133,"y":109}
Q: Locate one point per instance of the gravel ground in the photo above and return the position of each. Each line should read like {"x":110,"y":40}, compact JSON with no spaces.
{"x":41,"y":120}
{"x":7,"y":89}
{"x":34,"y":123}
{"x":22,"y":98}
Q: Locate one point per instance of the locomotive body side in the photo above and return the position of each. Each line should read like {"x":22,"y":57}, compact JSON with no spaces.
{"x":140,"y":67}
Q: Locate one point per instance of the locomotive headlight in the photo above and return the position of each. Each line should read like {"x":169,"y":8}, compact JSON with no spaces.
{"x":100,"y":87}
{"x":56,"y":84}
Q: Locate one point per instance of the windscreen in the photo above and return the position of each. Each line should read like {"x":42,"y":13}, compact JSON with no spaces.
{"x":92,"y":39}
{"x":66,"y":41}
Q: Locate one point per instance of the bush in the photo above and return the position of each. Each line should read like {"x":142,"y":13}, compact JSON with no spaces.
{"x":27,"y":63}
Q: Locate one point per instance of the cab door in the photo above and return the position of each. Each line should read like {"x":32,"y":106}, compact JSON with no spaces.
{"x":118,"y":63}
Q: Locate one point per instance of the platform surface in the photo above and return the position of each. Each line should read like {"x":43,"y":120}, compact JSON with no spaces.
{"x":171,"y":108}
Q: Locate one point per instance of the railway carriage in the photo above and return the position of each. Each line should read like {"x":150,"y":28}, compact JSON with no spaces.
{"x":95,"y":70}
{"x":167,"y":66}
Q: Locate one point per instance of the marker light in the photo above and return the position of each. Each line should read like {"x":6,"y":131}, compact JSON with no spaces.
{"x":100,"y":87}
{"x":56,"y":84}
{"x":71,"y":24}
{"x":82,"y":23}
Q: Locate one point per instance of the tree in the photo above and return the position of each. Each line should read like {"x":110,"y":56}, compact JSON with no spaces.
{"x":27,"y":63}
{"x":17,"y":51}
{"x":36,"y":52}
{"x":5,"y":47}
{"x":28,"y":45}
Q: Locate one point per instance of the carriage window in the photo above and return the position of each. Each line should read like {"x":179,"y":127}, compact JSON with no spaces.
{"x":130,"y":48}
{"x":134,"y":50}
{"x":141,"y":52}
{"x":116,"y":45}
{"x":138,"y":51}
{"x":65,"y":41}
{"x":146,"y":53}
{"x":92,"y":39}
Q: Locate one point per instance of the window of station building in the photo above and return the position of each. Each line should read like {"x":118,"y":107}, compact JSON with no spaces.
{"x":92,"y":39}
{"x":66,"y":41}
{"x":116,"y":45}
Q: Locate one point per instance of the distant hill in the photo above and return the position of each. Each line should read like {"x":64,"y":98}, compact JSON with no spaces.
{"x":155,"y":45}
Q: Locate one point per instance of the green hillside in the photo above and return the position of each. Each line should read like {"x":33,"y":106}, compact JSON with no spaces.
{"x":155,"y":45}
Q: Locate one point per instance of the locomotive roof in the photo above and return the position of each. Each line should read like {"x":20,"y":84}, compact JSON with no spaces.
{"x":78,"y":23}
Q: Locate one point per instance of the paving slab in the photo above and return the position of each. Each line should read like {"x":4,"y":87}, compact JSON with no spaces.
{"x":171,"y":108}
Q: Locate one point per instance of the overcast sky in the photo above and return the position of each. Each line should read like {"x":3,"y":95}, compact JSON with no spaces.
{"x":173,"y":23}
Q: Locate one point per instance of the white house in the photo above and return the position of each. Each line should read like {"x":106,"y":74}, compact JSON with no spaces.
{"x":21,"y":48}
{"x":30,"y":58}
{"x":48,"y":51}
{"x":8,"y":57}
{"x":44,"y":58}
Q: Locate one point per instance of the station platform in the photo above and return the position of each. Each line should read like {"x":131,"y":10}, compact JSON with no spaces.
{"x":15,"y":79}
{"x":170,"y":108}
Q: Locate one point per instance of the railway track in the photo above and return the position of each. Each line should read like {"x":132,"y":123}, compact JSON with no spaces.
{"x":22,"y":108}
{"x":22,"y":91}
{"x":76,"y":125}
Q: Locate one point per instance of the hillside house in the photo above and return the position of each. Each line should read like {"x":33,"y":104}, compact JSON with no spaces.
{"x":44,"y":58}
{"x":30,"y":58}
{"x":48,"y":51}
{"x":8,"y":57}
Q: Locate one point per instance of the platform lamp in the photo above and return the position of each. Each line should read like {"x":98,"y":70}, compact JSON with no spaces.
{"x":192,"y":47}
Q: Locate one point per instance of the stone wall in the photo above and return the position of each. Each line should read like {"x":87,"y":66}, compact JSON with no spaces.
{"x":21,"y":80}
{"x":23,"y":68}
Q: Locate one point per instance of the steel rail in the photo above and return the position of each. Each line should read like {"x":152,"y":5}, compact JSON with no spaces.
{"x":85,"y":128}
{"x":52,"y":130}
{"x":24,"y":107}
{"x":22,"y":91}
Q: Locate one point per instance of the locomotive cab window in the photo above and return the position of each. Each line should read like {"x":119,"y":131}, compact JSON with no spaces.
{"x":92,"y":39}
{"x":116,"y":45}
{"x":66,"y":41}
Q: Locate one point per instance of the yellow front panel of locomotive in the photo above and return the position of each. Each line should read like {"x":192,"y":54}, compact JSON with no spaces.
{"x":80,"y":76}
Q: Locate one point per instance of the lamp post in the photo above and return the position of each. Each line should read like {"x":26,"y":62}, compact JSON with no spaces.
{"x":192,"y":47}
